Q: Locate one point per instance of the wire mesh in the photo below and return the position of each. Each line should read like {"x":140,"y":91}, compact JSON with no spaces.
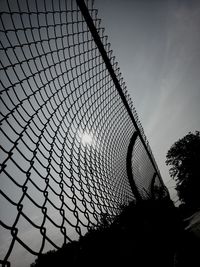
{"x":64,"y":129}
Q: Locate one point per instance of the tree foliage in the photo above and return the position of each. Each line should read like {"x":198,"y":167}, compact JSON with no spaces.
{"x":137,"y":230}
{"x":184,"y":159}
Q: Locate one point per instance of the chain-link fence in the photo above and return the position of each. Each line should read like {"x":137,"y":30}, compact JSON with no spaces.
{"x":66,"y":126}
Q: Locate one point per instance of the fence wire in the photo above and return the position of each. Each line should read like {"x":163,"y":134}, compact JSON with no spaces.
{"x":65,"y":130}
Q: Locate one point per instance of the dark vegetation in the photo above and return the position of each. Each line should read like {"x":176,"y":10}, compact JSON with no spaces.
{"x":184,"y":159}
{"x":144,"y":234}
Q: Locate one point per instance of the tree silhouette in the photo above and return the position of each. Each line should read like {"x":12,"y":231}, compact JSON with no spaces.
{"x":184,"y":157}
{"x":133,"y":237}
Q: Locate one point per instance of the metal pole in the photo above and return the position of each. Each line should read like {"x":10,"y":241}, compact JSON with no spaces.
{"x":129,"y":167}
{"x":97,"y":40}
{"x":152,"y":185}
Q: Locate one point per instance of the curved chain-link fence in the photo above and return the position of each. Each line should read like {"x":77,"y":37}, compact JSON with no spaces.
{"x":65,"y":129}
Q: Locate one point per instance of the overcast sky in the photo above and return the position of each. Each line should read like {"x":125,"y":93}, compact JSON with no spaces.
{"x":157,"y":45}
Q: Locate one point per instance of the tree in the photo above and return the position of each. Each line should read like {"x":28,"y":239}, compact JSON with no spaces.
{"x":184,"y":157}
{"x":121,"y":239}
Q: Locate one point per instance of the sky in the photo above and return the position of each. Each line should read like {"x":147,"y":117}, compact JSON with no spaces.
{"x":157,"y":45}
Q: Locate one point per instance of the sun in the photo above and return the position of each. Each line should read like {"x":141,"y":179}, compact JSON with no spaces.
{"x":86,"y":139}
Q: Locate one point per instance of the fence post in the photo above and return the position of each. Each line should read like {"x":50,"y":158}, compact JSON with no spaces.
{"x":88,"y":19}
{"x":129,"y":166}
{"x":152,"y":185}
